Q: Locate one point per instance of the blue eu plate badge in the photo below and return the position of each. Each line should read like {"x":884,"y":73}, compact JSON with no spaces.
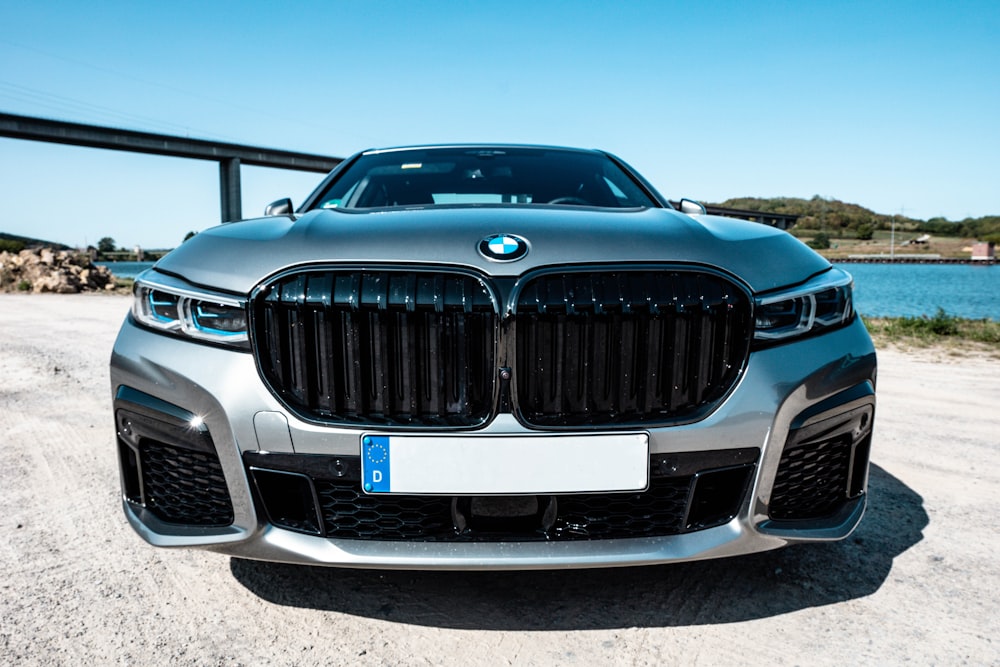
{"x":375,"y":463}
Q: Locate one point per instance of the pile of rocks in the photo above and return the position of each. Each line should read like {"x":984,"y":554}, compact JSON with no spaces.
{"x":46,"y":270}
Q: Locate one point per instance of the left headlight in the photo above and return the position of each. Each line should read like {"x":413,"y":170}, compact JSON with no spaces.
{"x":823,"y":303}
{"x":202,"y":316}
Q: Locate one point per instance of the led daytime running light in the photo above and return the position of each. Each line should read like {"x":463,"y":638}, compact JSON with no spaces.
{"x":822,"y":304}
{"x":200,"y":316}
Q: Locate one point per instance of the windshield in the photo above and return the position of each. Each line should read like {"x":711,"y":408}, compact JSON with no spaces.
{"x":473,"y":175}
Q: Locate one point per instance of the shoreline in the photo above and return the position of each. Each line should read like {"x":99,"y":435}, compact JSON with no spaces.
{"x":910,"y":260}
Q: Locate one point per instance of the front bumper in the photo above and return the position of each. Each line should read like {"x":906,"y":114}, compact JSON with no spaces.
{"x":798,"y":411}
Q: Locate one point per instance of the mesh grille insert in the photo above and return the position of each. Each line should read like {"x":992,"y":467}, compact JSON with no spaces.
{"x":823,"y":466}
{"x":812,"y":480}
{"x":674,"y":503}
{"x":350,"y":513}
{"x":184,"y":486}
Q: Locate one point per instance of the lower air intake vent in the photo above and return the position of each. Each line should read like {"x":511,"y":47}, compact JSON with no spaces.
{"x":687,"y":492}
{"x":823,"y":466}
{"x":184,"y":486}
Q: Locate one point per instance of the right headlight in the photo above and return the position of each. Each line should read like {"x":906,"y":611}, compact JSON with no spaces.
{"x":820,"y":304}
{"x":188,"y":313}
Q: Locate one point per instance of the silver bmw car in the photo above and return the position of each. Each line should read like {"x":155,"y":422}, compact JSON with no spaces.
{"x":492,"y":357}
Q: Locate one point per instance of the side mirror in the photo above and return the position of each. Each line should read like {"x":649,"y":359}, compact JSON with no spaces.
{"x":280,"y":207}
{"x":691,"y":207}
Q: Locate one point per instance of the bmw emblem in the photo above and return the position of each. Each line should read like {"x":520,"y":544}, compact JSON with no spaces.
{"x":503,"y":247}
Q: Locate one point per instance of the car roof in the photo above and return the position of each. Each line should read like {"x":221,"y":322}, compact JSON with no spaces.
{"x":480,"y":146}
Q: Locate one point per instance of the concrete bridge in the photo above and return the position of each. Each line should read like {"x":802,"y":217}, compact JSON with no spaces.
{"x":230,"y":157}
{"x":779,"y":220}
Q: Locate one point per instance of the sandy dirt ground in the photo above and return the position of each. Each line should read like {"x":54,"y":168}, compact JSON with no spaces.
{"x":918,"y":583}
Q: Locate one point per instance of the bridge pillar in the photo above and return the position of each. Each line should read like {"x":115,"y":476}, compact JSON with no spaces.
{"x":229,"y":189}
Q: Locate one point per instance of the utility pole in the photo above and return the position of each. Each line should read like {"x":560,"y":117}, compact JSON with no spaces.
{"x":892,"y":240}
{"x":892,"y":237}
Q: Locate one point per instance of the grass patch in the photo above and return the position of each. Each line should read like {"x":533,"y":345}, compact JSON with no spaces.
{"x":941,"y":328}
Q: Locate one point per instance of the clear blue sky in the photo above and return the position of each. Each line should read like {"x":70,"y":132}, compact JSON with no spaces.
{"x":890,"y":104}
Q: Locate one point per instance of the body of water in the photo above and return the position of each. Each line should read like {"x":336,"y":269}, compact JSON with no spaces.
{"x":126,"y":269}
{"x":913,"y":290}
{"x":880,"y":290}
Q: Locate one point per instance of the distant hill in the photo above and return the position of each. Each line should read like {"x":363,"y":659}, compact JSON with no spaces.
{"x":11,"y":242}
{"x":819,"y":212}
{"x":836,"y":217}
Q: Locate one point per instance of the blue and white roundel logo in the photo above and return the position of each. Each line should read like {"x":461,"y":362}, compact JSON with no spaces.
{"x":503,"y":247}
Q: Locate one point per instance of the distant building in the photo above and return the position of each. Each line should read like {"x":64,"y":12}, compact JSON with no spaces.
{"x":983,"y":251}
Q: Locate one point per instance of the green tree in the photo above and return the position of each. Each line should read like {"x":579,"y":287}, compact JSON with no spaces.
{"x":106,"y":244}
{"x":865,"y":231}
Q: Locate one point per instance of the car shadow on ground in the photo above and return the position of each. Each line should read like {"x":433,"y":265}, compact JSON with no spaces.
{"x":684,"y":594}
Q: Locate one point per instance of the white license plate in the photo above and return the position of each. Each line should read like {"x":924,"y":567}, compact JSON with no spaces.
{"x":504,"y":465}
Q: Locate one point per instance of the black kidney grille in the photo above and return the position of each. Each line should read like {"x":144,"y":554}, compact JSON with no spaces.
{"x":596,"y":348}
{"x":184,"y":486}
{"x":380,"y":347}
{"x":627,"y":347}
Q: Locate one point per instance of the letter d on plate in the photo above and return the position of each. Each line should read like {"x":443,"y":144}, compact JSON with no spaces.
{"x":375,"y":464}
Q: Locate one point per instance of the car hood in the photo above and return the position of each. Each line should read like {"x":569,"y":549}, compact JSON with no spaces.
{"x":235,"y":257}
